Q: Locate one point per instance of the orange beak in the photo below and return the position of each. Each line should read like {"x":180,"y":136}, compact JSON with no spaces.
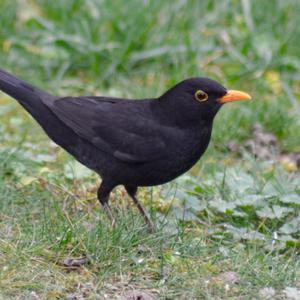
{"x":233,"y":95}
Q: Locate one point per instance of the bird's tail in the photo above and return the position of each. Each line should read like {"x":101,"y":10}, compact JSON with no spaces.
{"x":35,"y":101}
{"x":19,"y":89}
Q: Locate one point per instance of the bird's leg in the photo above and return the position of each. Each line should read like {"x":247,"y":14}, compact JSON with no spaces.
{"x":132,"y":193}
{"x":103,"y":196}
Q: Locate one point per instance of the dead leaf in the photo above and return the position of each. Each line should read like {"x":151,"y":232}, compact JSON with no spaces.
{"x":82,"y":291}
{"x":137,"y":295}
{"x":34,"y":296}
{"x":258,"y":150}
{"x":288,"y":163}
{"x":262,"y":137}
{"x":74,"y":263}
{"x":264,"y":145}
{"x":292,"y":293}
{"x":267,"y":293}
{"x":290,"y":158}
{"x":233,"y":146}
{"x":230,"y":277}
{"x":142,"y":249}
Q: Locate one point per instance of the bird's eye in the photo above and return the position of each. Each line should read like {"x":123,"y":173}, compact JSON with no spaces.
{"x":201,"y":96}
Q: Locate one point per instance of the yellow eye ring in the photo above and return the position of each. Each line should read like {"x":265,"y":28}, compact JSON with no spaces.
{"x":201,"y":96}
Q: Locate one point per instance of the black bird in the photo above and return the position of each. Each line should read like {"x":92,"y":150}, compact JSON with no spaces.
{"x":128,"y":142}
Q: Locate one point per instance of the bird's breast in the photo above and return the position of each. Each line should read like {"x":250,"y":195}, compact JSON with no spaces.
{"x":184,"y":152}
{"x":190,"y":149}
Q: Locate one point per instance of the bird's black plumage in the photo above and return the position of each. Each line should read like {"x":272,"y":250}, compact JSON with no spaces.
{"x":127,"y":142}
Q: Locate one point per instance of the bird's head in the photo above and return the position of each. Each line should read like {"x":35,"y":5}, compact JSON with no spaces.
{"x":200,"y":98}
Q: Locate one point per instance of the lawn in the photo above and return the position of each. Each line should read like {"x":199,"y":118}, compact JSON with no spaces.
{"x":229,"y":228}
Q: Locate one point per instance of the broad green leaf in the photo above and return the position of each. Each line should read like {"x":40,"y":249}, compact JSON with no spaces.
{"x":292,"y":198}
{"x":244,"y":233}
{"x":251,"y":200}
{"x":222,"y":206}
{"x":275,"y":212}
{"x":291,"y":227}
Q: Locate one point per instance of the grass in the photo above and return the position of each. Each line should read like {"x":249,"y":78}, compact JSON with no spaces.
{"x":43,"y":225}
{"x":48,"y":212}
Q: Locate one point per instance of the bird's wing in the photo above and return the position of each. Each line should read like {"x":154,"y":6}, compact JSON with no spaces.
{"x":113,"y":126}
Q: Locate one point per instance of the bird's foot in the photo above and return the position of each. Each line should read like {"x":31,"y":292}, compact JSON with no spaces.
{"x":144,"y":214}
{"x":110,"y":215}
{"x":149,"y":224}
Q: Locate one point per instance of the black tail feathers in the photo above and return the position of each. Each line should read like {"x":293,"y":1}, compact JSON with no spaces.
{"x":19,"y":89}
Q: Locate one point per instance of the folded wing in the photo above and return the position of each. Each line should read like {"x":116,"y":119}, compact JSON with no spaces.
{"x":120,"y":128}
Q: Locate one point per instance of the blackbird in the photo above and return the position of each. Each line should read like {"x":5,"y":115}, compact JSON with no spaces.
{"x":129,"y":142}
